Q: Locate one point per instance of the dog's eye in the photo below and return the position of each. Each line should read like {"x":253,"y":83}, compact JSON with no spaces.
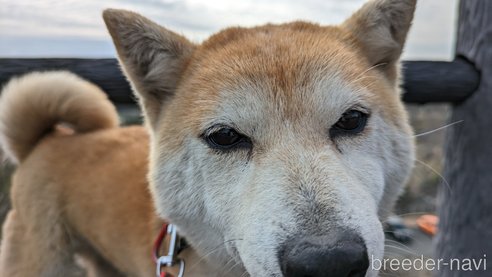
{"x":226,"y":138}
{"x":351,"y":122}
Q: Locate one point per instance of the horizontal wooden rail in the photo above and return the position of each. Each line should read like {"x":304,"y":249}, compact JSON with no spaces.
{"x":424,"y":81}
{"x":431,"y":82}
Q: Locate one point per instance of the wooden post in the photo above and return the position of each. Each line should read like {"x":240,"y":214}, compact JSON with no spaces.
{"x":466,"y":208}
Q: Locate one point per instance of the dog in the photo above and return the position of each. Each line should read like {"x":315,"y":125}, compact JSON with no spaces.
{"x":274,"y":150}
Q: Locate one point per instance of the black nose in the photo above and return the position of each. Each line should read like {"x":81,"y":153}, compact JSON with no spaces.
{"x":341,"y":254}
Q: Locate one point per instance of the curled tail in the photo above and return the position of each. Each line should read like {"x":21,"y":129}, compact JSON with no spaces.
{"x":32,"y":105}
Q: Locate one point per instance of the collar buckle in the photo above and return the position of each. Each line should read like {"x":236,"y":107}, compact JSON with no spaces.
{"x":170,"y":259}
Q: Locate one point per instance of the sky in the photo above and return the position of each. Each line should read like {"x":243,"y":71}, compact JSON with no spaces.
{"x":74,"y":28}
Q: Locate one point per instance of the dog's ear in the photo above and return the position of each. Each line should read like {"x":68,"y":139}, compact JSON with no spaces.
{"x":381,"y":28}
{"x":152,"y":57}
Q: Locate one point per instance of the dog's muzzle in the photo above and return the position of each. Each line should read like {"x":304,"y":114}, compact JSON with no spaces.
{"x":341,"y":253}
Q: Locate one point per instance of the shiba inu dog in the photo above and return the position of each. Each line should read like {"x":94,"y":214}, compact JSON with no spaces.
{"x":275,"y":150}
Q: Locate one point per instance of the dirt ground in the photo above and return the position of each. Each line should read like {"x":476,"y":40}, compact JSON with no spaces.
{"x":419,"y":196}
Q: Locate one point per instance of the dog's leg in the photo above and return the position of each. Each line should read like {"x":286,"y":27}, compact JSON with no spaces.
{"x":29,"y":252}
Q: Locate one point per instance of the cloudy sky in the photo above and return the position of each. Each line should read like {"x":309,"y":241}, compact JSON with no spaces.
{"x":74,"y":28}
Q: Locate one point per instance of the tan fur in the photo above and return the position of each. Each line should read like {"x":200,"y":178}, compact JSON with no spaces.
{"x":59,"y":186}
{"x":68,"y":186}
{"x":35,"y":98}
{"x":85,"y":193}
{"x":155,"y":69}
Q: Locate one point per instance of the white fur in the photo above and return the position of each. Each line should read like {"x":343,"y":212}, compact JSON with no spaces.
{"x":245,"y":201}
{"x":240,"y":207}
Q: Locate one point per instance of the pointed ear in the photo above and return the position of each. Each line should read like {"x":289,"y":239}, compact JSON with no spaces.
{"x":381,"y":28}
{"x":152,"y":57}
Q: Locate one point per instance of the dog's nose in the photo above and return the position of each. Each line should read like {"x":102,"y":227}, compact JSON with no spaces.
{"x":343,"y":254}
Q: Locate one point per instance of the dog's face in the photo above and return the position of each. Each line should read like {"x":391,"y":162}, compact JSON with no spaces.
{"x":277,"y":148}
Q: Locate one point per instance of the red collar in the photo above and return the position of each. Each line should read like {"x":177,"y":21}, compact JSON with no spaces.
{"x":169,"y":260}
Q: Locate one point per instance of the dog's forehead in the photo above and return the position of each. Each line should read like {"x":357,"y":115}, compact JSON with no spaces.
{"x":286,"y":55}
{"x":281,"y":71}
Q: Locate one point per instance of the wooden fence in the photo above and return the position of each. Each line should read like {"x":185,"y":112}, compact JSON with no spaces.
{"x":425,"y":81}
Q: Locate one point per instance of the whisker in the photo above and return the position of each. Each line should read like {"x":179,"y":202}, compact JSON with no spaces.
{"x":414,"y":213}
{"x":227,"y":264}
{"x":406,"y":214}
{"x":437,"y":173}
{"x":402,"y":249}
{"x":412,"y":236}
{"x":367,"y":85}
{"x":218,"y":247}
{"x":398,"y":243}
{"x":360,"y":76}
{"x":236,"y":263}
{"x":438,"y":129}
